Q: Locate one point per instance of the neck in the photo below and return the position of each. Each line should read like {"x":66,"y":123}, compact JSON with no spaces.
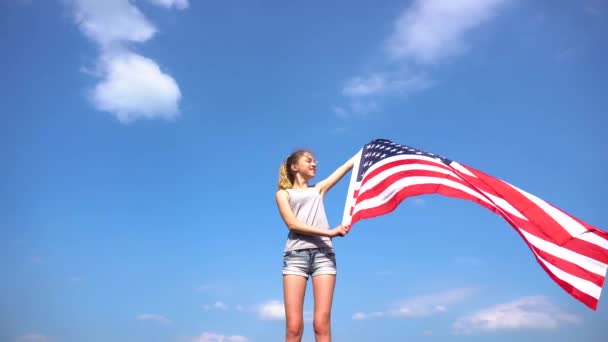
{"x":300,"y":183}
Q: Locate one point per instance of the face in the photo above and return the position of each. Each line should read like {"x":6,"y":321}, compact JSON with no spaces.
{"x":306,"y":166}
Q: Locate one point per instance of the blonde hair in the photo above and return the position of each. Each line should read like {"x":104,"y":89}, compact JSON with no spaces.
{"x":286,"y":177}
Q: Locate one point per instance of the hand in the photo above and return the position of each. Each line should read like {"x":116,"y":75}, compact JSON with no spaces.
{"x":340,"y":230}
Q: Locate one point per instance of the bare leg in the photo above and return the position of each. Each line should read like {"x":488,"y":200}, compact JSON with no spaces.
{"x":323,"y":287}
{"x":294,"y":288}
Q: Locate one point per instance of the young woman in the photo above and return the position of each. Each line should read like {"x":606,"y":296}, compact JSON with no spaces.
{"x":309,"y":249}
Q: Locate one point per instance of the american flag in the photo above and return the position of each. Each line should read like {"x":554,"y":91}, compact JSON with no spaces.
{"x":573,"y":253}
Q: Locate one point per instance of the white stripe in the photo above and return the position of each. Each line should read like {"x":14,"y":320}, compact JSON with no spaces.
{"x":390,"y":191}
{"x":505,"y":206}
{"x":574,"y":228}
{"x":399,"y":157}
{"x":583,"y":261}
{"x":372,"y":182}
{"x":582,"y":285}
{"x":462,"y":169}
{"x":353,"y":185}
{"x":594,"y":239}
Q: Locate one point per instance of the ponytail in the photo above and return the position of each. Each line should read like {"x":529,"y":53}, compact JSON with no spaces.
{"x":285,"y":181}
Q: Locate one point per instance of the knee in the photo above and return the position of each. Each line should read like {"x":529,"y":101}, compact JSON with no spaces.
{"x":295,"y":328}
{"x":321,"y":323}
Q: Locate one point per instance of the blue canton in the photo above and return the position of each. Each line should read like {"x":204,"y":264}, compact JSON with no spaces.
{"x":380,"y":149}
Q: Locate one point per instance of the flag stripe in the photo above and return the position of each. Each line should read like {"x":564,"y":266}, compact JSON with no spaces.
{"x":573,"y":253}
{"x":563,"y":253}
{"x":582,"y":285}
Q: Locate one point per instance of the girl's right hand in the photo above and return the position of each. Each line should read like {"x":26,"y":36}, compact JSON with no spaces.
{"x":340,"y":230}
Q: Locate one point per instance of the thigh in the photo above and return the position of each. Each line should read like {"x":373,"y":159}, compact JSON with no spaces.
{"x":323,"y":288}
{"x":294,"y":288}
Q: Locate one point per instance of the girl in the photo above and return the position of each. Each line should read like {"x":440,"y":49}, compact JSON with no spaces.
{"x":309,"y":249}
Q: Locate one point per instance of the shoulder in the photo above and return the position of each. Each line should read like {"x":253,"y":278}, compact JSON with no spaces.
{"x":283,"y":193}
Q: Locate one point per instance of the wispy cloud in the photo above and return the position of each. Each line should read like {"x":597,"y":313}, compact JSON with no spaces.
{"x":153,"y":317}
{"x":383,"y":84}
{"x":426,"y":33}
{"x":422,"y":306}
{"x":419,"y":201}
{"x":203,"y":288}
{"x":526,"y":313}
{"x":272,"y":310}
{"x":32,"y":338}
{"x":180,"y":4}
{"x":432,"y":30}
{"x":131,"y":86}
{"x":213,"y":337}
{"x":217,"y":306}
{"x":594,"y":8}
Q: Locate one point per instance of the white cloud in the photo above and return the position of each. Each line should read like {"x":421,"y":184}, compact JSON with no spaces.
{"x":385,"y":83}
{"x":273,"y":310}
{"x":526,"y":313}
{"x":240,"y":308}
{"x":363,"y":315}
{"x":32,"y":338}
{"x":212,"y":337}
{"x":152,"y":317}
{"x":422,"y":306}
{"x":131,"y":86}
{"x":427,"y":32}
{"x":134,"y":87}
{"x":217,"y":305}
{"x":111,"y":21}
{"x":432,"y":30}
{"x":179,"y":4}
{"x":359,"y":86}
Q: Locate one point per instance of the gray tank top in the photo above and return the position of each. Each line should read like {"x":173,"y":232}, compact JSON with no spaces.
{"x":308,"y":207}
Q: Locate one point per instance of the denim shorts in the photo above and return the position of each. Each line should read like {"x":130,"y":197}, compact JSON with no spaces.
{"x":310,"y":261}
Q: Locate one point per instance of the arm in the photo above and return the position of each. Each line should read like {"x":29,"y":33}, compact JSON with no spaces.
{"x":300,"y":227}
{"x":335,"y":177}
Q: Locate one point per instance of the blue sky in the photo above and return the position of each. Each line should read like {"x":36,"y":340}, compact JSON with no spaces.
{"x":142,"y":139}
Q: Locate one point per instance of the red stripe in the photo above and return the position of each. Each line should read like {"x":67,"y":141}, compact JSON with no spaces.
{"x":545,"y":222}
{"x":576,"y":245}
{"x":388,"y":181}
{"x":409,"y":191}
{"x":534,"y":227}
{"x":584,"y":298}
{"x":400,"y":162}
{"x":570,"y":267}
